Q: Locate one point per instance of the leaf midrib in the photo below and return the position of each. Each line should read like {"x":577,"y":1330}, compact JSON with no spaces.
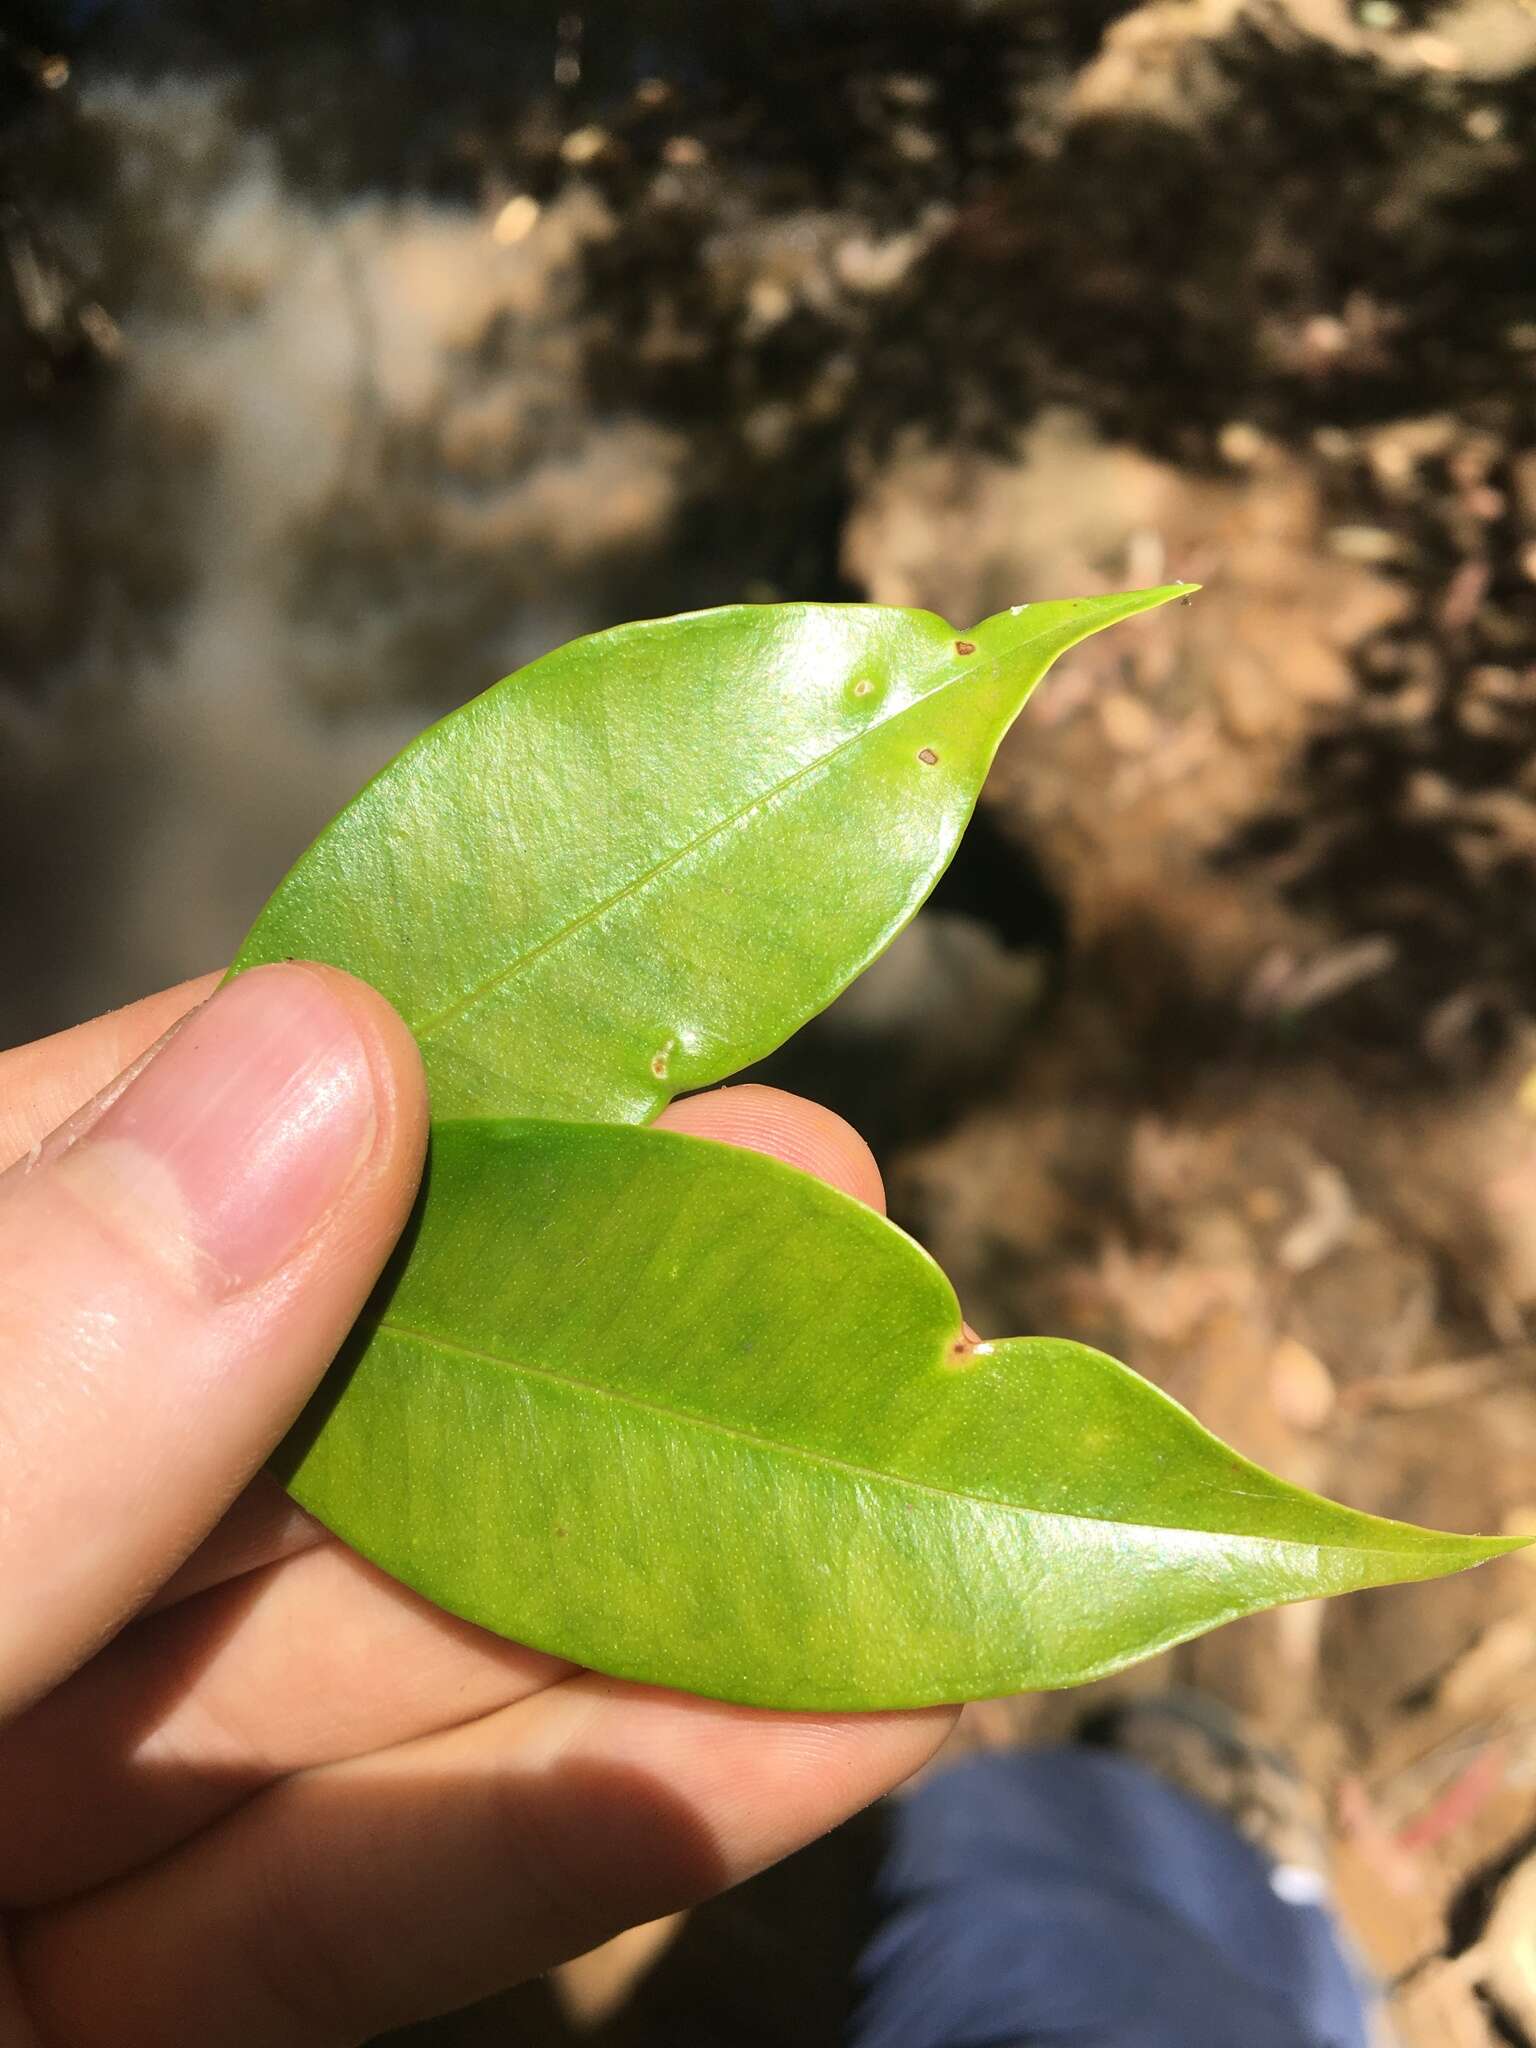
{"x":577,"y":1384}
{"x":467,"y":1001}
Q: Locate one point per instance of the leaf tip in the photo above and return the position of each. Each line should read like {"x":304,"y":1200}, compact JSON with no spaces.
{"x":1455,"y":1552}
{"x":1164,"y":593}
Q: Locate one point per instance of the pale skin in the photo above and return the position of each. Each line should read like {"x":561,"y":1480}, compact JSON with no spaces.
{"x":252,"y":1791}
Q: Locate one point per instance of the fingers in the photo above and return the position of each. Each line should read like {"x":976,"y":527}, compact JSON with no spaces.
{"x":177,"y":1267}
{"x":368,"y":1895}
{"x":261,"y":1526}
{"x":194,"y":1710}
{"x":157,"y":1736}
{"x":42,"y":1084}
{"x":788,"y":1127}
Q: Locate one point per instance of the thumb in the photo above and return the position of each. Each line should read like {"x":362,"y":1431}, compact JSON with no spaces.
{"x":178,"y":1265}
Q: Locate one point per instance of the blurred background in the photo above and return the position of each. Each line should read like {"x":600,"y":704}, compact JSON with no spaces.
{"x":353,"y":352}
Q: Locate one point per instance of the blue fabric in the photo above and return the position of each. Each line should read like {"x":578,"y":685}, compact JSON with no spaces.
{"x":1072,"y":1899}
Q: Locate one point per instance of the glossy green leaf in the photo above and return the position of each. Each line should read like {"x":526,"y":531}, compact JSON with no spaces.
{"x":644,"y":860}
{"x":686,"y":1415}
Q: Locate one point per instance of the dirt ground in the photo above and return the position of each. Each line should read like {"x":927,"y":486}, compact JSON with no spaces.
{"x":1219,"y":1046}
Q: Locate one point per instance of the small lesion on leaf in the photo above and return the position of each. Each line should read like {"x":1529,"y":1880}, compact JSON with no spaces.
{"x":965,"y":647}
{"x":662,"y":1059}
{"x":964,"y":1350}
{"x":928,"y":757}
{"x":863,"y":687}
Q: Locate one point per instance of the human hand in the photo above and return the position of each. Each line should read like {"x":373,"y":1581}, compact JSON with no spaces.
{"x":251,"y":1790}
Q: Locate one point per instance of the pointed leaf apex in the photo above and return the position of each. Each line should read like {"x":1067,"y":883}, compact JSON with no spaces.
{"x":1488,"y":1547}
{"x":1093,"y":612}
{"x":1437,"y":1553}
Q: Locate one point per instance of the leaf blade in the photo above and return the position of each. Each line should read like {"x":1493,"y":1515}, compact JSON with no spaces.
{"x":588,"y":889}
{"x":705,"y":1426}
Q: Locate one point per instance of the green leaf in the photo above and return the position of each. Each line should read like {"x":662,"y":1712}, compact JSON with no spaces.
{"x":644,"y":860}
{"x":686,"y":1415}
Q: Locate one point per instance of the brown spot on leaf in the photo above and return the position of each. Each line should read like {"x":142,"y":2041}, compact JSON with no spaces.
{"x":928,"y":757}
{"x":965,"y":647}
{"x":965,"y":1350}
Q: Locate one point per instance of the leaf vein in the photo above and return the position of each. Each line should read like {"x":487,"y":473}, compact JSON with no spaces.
{"x":971,"y":672}
{"x":849,"y":1466}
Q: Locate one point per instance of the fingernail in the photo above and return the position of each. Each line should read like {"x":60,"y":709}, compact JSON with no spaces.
{"x":239,"y":1137}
